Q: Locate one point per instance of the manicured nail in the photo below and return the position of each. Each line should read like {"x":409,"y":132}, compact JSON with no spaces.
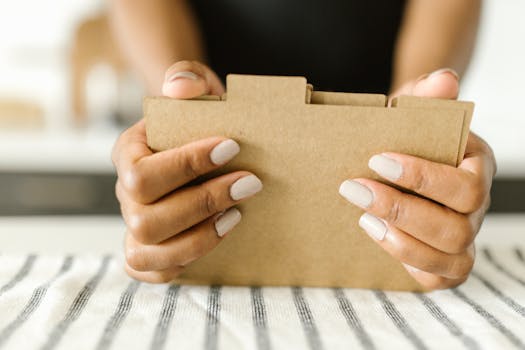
{"x":411,"y":268}
{"x":386,"y":167}
{"x":245,"y":187}
{"x":224,"y":151}
{"x":374,"y":226}
{"x":227,"y":221}
{"x":444,"y":70}
{"x":356,"y":193}
{"x":183,"y":75}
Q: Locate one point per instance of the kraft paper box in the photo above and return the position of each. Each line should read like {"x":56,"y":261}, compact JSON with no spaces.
{"x":302,"y":144}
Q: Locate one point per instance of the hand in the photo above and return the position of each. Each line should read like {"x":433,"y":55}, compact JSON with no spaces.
{"x":432,"y":235}
{"x":168,"y":227}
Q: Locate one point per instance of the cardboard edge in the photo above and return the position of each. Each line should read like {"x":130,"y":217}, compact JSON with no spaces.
{"x":427,"y":102}
{"x":348,"y":99}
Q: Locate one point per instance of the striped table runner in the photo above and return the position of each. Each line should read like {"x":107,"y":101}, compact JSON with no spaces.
{"x":87,"y":302}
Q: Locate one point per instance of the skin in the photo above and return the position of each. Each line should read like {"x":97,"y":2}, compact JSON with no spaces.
{"x":432,"y":234}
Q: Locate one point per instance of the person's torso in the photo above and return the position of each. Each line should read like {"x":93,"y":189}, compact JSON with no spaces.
{"x":338,"y":45}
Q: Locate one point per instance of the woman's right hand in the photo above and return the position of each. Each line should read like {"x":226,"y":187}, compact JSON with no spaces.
{"x":168,"y":227}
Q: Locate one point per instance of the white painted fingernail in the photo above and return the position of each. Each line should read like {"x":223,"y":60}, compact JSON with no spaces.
{"x":374,"y":226}
{"x":356,"y":193}
{"x":224,"y":152}
{"x":444,"y":70}
{"x":411,"y":268}
{"x":245,"y":187}
{"x":386,"y":167}
{"x":227,"y":221}
{"x":183,"y":75}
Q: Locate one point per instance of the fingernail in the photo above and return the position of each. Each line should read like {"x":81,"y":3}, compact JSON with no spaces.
{"x":444,"y":70}
{"x":374,"y":226}
{"x":227,"y":221}
{"x":245,"y":187}
{"x":411,"y":268}
{"x":183,"y":75}
{"x":224,"y":151}
{"x":356,"y":193}
{"x":386,"y":167}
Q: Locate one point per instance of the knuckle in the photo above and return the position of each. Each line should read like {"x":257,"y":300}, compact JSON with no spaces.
{"x":457,"y":239}
{"x":207,"y":202}
{"x":420,"y":182}
{"x":475,"y":195}
{"x":478,"y":193}
{"x":466,"y":235}
{"x":190,"y":164}
{"x":135,"y":182}
{"x":395,"y":212}
{"x":118,"y":191}
{"x":139,"y":226}
{"x":136,"y":259}
{"x":461,"y":266}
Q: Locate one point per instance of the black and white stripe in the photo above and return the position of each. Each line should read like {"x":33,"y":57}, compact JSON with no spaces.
{"x":352,"y":319}
{"x":500,"y":295}
{"x":492,"y":312}
{"x":399,"y":321}
{"x":77,"y":306}
{"x":501,"y":268}
{"x":491,"y":319}
{"x":213,"y":318}
{"x":260,"y":319}
{"x":307,"y":319}
{"x":114,"y":323}
{"x":20,"y":275}
{"x":167,"y":312}
{"x":36,"y":298}
{"x":451,"y":326}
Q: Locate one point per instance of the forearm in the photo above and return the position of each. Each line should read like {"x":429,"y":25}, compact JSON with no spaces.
{"x":435,"y":34}
{"x":154,"y":34}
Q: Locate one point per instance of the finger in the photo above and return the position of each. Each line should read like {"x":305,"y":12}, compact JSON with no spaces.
{"x":151,"y":177}
{"x":463,"y":189}
{"x":183,"y":248}
{"x":409,"y":250}
{"x":479,"y":158}
{"x":161,"y":276}
{"x":443,"y":83}
{"x":131,"y":145}
{"x":189,"y":79}
{"x":436,"y":225}
{"x":173,"y":214}
{"x":430,"y":281}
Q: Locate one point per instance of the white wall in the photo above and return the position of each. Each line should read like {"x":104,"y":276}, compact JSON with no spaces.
{"x":495,"y":82}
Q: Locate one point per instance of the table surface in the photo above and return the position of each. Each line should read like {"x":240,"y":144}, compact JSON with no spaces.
{"x":53,"y":300}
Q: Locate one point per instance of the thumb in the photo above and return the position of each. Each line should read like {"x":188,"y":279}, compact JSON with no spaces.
{"x":189,"y":79}
{"x":443,"y":83}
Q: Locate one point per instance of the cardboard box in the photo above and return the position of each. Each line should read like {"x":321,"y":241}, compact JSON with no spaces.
{"x":302,"y":144}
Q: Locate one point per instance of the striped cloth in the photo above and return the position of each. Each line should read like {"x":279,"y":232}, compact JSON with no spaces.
{"x":87,"y":302}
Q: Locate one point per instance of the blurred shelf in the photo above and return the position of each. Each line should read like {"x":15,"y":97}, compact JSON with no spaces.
{"x":105,"y":234}
{"x":58,"y":150}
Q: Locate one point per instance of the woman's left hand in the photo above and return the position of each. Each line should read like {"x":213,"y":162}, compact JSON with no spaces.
{"x":431,"y":234}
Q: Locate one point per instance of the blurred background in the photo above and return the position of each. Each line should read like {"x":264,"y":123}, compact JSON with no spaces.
{"x":65,"y":96}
